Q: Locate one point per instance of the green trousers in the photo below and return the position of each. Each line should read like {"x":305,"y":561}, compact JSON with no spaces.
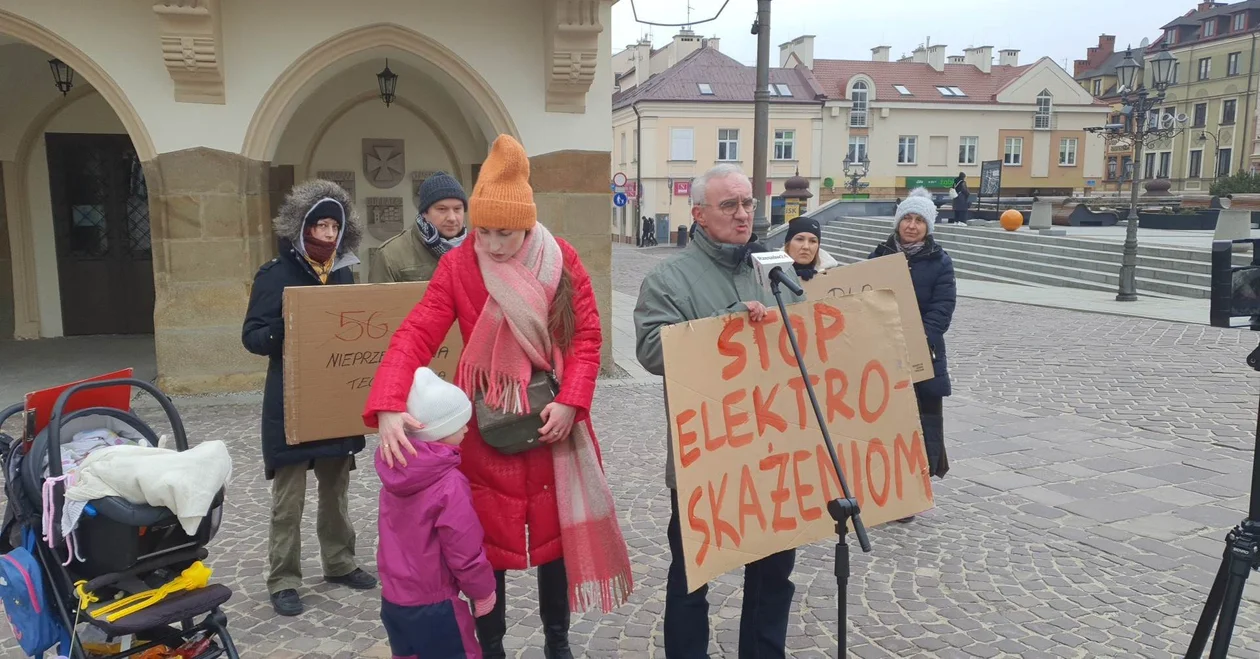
{"x":332,"y":522}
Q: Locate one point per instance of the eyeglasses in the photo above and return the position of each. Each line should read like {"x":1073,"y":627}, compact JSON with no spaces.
{"x":730,"y":206}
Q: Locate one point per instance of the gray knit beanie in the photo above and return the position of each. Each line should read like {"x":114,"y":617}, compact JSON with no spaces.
{"x":920,"y":203}
{"x":438,"y":187}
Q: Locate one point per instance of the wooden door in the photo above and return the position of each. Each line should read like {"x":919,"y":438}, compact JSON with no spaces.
{"x":100,"y":209}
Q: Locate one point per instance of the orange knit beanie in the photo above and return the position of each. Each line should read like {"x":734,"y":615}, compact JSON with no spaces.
{"x":502,"y":198}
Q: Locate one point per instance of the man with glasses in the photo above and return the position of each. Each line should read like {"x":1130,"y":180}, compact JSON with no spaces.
{"x":712,"y":277}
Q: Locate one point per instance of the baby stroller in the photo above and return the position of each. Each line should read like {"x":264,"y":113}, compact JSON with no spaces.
{"x":126,"y":549}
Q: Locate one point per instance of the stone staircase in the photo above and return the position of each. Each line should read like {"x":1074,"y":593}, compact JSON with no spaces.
{"x":1027,"y":258}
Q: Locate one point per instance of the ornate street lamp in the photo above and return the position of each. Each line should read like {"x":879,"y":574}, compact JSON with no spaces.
{"x":63,"y":75}
{"x":388,"y":81}
{"x":1139,"y":129}
{"x":854,"y":172}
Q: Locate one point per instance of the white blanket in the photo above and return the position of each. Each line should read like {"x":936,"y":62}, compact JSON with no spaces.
{"x":186,"y":482}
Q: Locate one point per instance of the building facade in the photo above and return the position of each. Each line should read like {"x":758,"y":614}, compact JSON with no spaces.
{"x":1097,"y":74}
{"x":137,"y":197}
{"x":699,"y":113}
{"x":927,"y":117}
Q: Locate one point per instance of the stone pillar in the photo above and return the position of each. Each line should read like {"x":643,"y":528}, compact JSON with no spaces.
{"x":1233,"y":224}
{"x":571,"y":191}
{"x":211,"y":226}
{"x":6,"y":270}
{"x":1042,"y":218}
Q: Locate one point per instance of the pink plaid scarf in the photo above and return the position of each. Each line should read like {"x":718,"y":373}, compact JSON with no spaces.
{"x":509,"y":342}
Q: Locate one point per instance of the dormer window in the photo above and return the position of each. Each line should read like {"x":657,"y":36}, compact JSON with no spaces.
{"x":1171,"y":36}
{"x":1209,"y":28}
{"x":1240,"y":22}
{"x":901,"y":89}
{"x":705,"y":89}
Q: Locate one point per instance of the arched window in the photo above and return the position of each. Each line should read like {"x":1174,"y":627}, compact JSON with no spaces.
{"x":860,"y":96}
{"x":1045,"y":107}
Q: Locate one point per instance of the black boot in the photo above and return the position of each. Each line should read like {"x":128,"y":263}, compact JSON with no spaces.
{"x":492,"y":626}
{"x":553,"y":607}
{"x":934,"y":443}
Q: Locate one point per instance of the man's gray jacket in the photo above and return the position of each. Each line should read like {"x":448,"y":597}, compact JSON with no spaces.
{"x":706,"y":280}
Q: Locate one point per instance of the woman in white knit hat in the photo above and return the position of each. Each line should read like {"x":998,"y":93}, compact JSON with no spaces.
{"x":932,"y":272}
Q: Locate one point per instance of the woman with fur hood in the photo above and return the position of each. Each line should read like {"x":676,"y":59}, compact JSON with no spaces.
{"x":319,"y":231}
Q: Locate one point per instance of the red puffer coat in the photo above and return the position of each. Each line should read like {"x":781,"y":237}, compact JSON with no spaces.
{"x":514,"y":496}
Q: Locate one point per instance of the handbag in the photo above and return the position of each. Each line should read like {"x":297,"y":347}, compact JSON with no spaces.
{"x":953,"y":193}
{"x":510,"y":433}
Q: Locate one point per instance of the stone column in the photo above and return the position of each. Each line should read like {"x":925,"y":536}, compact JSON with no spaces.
{"x":210,"y":220}
{"x":6,"y":270}
{"x":571,"y":191}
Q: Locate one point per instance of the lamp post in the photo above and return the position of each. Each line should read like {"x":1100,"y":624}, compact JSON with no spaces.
{"x":1138,"y":129}
{"x":761,"y":116}
{"x":854,"y":172}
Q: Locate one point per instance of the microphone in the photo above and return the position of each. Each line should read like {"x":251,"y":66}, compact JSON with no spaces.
{"x":770,"y":267}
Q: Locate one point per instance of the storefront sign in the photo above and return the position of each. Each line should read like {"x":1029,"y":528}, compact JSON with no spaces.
{"x":682,"y":188}
{"x":929,"y":182}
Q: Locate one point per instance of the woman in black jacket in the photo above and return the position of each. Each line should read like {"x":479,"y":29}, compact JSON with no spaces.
{"x":962,"y":198}
{"x":319,"y":231}
{"x":932,"y":272}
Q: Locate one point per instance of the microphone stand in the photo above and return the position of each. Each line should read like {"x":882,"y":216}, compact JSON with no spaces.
{"x":842,"y":509}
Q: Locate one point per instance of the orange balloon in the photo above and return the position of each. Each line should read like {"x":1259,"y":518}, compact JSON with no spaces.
{"x":1011,"y":220}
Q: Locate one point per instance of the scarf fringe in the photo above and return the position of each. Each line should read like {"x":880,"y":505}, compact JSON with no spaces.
{"x":613,"y":592}
{"x":500,"y":392}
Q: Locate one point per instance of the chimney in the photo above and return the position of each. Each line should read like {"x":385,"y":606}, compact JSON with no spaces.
{"x":980,"y":57}
{"x":880,"y":53}
{"x":936,"y":57}
{"x":957,"y":59}
{"x":712,"y":42}
{"x":802,"y":46}
{"x":1204,"y":6}
{"x":919,"y":55}
{"x":1008,"y":57}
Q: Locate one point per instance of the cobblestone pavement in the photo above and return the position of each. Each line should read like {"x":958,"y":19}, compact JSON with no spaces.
{"x":1097,"y":463}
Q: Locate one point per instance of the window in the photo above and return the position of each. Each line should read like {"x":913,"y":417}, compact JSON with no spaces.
{"x":1148,"y":168}
{"x":624,"y":151}
{"x":784,"y":90}
{"x":773,"y":91}
{"x":956,"y":91}
{"x":907,"y":150}
{"x":1098,"y":87}
{"x":1171,"y":36}
{"x":857,"y":148}
{"x":785,"y":145}
{"x":1205,"y":68}
{"x":1229,"y":110}
{"x":1013,"y":156}
{"x":1231,"y":64}
{"x":901,"y":89}
{"x":681,"y":144}
{"x":728,"y":144}
{"x":1200,"y":115}
{"x":705,"y":88}
{"x":1209,"y":28}
{"x":945,"y":91}
{"x":860,"y":97}
{"x":1224,"y":161}
{"x":634,"y":146}
{"x":1196,"y":164}
{"x":1240,"y":22}
{"x":1067,"y":152}
{"x":1045,"y":106}
{"x":1165,"y":164}
{"x":967,"y":148}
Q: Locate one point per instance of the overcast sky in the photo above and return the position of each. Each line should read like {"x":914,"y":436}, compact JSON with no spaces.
{"x":848,"y":29}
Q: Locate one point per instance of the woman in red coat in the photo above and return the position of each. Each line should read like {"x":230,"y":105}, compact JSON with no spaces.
{"x":524,"y":303}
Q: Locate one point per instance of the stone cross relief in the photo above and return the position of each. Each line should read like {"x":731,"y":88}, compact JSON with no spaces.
{"x":383,"y":162}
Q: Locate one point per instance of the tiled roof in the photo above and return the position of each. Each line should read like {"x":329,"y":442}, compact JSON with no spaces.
{"x":1108,"y":67}
{"x":919,"y":78}
{"x":1195,"y":17}
{"x":729,"y":80}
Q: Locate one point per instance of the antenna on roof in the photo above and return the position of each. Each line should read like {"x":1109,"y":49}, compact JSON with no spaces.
{"x":635,"y":11}
{"x":688,"y":26}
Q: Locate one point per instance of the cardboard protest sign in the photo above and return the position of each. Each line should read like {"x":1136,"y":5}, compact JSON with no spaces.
{"x":886,"y":272}
{"x":334,"y":338}
{"x":754,"y":475}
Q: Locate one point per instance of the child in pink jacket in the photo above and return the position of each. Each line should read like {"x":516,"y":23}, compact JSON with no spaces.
{"x":430,"y":546}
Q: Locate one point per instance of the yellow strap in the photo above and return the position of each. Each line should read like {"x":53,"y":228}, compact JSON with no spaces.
{"x":197,"y":576}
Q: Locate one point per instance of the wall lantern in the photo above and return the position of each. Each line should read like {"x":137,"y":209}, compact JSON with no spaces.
{"x":63,"y":75}
{"x":388,"y":81}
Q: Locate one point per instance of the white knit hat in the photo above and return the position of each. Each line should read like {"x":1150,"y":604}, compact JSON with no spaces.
{"x":920,"y":203}
{"x":442,"y":407}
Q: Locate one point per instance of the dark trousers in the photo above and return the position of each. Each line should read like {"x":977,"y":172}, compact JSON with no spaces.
{"x":961,"y":211}
{"x":553,"y":608}
{"x":433,"y":631}
{"x":931,"y":417}
{"x":763,"y":623}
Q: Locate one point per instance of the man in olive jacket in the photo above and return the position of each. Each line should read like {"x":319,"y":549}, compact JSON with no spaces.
{"x":711,"y":278}
{"x":413,"y":254}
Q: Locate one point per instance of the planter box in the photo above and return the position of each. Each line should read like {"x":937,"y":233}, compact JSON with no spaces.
{"x":1204,"y":220}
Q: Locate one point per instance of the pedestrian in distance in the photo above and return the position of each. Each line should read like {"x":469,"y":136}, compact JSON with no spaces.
{"x":712,"y":277}
{"x":318,"y":231}
{"x":961,"y":199}
{"x":525,"y":308}
{"x":936,"y":291}
{"x":430,"y":549}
